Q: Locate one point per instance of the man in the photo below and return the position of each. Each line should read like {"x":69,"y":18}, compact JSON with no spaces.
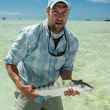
{"x":40,"y":55}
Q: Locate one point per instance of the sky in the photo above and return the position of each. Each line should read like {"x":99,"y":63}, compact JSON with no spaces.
{"x":80,"y":9}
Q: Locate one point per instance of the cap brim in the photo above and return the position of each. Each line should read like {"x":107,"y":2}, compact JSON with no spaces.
{"x":56,"y":1}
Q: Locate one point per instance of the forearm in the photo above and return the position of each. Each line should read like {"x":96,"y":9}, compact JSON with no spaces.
{"x":66,"y":75}
{"x":26,"y":90}
{"x":13,"y":73}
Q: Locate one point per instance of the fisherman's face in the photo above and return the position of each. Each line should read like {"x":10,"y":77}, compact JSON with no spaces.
{"x":57,"y":17}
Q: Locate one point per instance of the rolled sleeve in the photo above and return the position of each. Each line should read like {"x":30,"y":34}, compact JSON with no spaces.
{"x":18,"y":50}
{"x":70,"y":58}
{"x":26,"y":42}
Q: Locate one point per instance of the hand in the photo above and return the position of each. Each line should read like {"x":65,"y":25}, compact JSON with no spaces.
{"x":71,"y":92}
{"x":27,"y":90}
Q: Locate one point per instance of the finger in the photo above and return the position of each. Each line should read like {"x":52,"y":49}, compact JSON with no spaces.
{"x":28,"y":88}
{"x":70,"y":91}
{"x":34,"y":93}
{"x":65,"y":93}
{"x":75,"y":93}
{"x":78,"y":93}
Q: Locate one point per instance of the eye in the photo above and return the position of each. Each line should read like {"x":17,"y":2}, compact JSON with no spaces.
{"x":55,"y":12}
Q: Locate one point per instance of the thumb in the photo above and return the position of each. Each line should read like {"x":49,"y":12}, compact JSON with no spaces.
{"x":28,"y":88}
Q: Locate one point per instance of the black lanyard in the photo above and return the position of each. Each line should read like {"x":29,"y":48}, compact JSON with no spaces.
{"x":58,"y":53}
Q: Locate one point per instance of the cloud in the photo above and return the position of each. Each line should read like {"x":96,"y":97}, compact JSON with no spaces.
{"x":101,"y":1}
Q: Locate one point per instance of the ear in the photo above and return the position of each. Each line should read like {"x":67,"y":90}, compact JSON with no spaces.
{"x":48,"y":11}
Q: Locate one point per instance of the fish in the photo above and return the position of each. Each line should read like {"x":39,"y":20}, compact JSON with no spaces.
{"x":53,"y":90}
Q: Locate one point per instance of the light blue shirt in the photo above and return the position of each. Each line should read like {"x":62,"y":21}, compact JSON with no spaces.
{"x":30,"y":52}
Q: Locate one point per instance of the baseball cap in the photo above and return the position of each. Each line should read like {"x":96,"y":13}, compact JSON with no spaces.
{"x":51,"y":3}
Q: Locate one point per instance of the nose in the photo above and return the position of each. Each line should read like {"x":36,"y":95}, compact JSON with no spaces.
{"x":60,"y":15}
{"x":59,"y":18}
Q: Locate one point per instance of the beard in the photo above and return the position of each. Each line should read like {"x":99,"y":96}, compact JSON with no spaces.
{"x":56,"y":28}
